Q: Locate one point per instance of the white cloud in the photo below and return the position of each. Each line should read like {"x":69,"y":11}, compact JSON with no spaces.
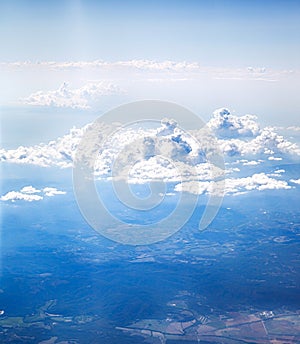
{"x":152,"y":70}
{"x":56,"y":153}
{"x":157,"y":169}
{"x":295,"y":181}
{"x":149,"y":65}
{"x":270,"y":142}
{"x":257,"y":70}
{"x":168,"y":140}
{"x":168,"y":153}
{"x":50,"y":192}
{"x":242,"y":136}
{"x":251,"y":163}
{"x":188,"y":70}
{"x":30,"y":193}
{"x":293,"y":128}
{"x":79,"y":98}
{"x":30,"y":190}
{"x":234,"y":186}
{"x":224,"y":124}
{"x":274,"y":158}
{"x":16,"y":195}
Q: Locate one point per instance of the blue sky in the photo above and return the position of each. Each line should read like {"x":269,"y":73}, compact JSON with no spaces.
{"x":223,"y":33}
{"x":219,"y":41}
{"x":65,"y":63}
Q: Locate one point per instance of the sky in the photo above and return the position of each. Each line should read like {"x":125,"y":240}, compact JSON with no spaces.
{"x":70,"y":60}
{"x":216,"y":33}
{"x":141,"y":171}
{"x":235,"y":64}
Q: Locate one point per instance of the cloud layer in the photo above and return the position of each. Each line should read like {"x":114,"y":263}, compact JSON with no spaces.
{"x":169,"y":153}
{"x":168,"y":66}
{"x":136,"y":64}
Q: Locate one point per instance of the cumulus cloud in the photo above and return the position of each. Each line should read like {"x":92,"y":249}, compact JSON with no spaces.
{"x":30,"y":190}
{"x":50,"y":192}
{"x":234,"y":186}
{"x":168,"y":153}
{"x":56,"y":153}
{"x":79,"y":98}
{"x":16,"y":196}
{"x":242,"y":136}
{"x":30,"y":193}
{"x":274,"y":158}
{"x":269,"y":142}
{"x":251,"y":163}
{"x":224,"y":124}
{"x":158,"y":168}
{"x":295,"y":181}
{"x":239,"y":137}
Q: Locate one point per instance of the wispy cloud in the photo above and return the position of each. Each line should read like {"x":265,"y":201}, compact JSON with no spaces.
{"x":182,"y":69}
{"x":293,"y":128}
{"x":150,"y":65}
